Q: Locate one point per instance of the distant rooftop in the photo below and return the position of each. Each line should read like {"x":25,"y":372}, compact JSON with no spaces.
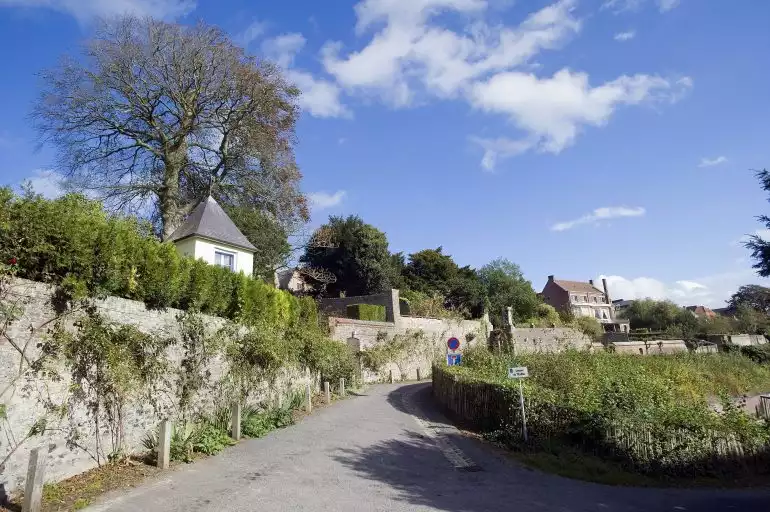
{"x":577,"y":286}
{"x":209,"y":220}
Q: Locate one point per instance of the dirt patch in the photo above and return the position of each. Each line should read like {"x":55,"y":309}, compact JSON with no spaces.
{"x":79,"y":491}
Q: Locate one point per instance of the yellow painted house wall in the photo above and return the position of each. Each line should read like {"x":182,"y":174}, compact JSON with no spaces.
{"x":202,"y":248}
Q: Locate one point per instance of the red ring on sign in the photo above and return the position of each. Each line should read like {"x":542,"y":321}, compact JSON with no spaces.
{"x":453,"y":343}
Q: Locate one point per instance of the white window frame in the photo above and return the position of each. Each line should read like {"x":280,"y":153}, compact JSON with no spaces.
{"x":225,"y":252}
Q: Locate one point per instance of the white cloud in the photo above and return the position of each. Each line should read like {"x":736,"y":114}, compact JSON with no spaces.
{"x":410,"y":54}
{"x":625,"y":36}
{"x":712,"y":290}
{"x":85,"y":10}
{"x":320,"y":97}
{"x":667,"y":5}
{"x":600,"y":214}
{"x":552,"y":110}
{"x":251,"y":33}
{"x":710,"y":162}
{"x":500,"y":148}
{"x":619,"y":6}
{"x":323,"y":200}
{"x":48,"y":183}
{"x":424,"y":50}
{"x":282,"y":49}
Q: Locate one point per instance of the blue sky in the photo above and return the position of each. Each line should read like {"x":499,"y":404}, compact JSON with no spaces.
{"x":579,"y":138}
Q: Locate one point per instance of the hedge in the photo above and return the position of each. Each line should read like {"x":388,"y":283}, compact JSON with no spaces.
{"x":71,"y":241}
{"x":651,"y":414}
{"x":371,"y":312}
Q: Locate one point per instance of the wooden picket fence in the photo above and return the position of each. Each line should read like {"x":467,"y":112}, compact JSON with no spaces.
{"x":488,"y":407}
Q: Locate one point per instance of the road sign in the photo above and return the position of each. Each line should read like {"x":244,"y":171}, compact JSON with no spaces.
{"x":453,"y":359}
{"x":520,"y":373}
{"x":453,"y":344}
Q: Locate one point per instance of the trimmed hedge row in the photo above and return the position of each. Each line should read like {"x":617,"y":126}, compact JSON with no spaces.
{"x":371,"y":312}
{"x":71,"y":241}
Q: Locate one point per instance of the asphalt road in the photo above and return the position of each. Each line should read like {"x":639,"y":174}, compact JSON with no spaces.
{"x":390,"y":450}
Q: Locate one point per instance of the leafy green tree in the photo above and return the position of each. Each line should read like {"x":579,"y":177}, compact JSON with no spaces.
{"x":751,"y":321}
{"x":356,"y":253}
{"x":267,"y":235}
{"x":716,"y":325}
{"x":760,"y":248}
{"x":656,"y":315}
{"x":467,"y":293}
{"x":589,"y":326}
{"x":752,"y":296}
{"x":505,"y":285}
{"x":164,"y":113}
{"x":435,"y":274}
{"x":430,"y":271}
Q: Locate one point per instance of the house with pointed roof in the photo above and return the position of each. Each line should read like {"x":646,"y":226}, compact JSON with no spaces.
{"x":209,"y":234}
{"x":583,"y":299}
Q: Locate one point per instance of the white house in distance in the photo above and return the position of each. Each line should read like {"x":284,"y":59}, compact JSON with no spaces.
{"x":209,"y":234}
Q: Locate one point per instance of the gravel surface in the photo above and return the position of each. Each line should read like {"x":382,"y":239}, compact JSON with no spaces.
{"x":371,"y":453}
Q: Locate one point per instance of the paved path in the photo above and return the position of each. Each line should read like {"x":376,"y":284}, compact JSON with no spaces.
{"x":371,"y":454}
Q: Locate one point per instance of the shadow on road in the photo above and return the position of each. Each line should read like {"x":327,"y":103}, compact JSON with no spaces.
{"x":416,"y":472}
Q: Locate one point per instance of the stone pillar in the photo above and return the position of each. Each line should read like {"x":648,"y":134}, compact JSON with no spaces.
{"x":235,"y":425}
{"x":393,"y":309}
{"x":33,"y":490}
{"x":327,"y":393}
{"x":308,"y":398}
{"x":164,"y":444}
{"x":342,"y":387}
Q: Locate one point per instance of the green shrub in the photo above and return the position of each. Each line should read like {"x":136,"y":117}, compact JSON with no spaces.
{"x":256,"y":423}
{"x":371,"y":312}
{"x":71,"y":241}
{"x":651,"y":412}
{"x":588,"y":326}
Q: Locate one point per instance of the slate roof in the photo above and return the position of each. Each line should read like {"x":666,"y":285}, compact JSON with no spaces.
{"x":577,"y":286}
{"x":209,"y":220}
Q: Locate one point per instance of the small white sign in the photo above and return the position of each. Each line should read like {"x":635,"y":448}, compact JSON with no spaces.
{"x":518,"y":373}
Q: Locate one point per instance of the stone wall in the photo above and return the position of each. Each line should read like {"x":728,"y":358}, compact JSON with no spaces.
{"x":360,"y":334}
{"x":337,"y":307}
{"x":548,"y":339}
{"x":24,"y":396}
{"x":649,"y":347}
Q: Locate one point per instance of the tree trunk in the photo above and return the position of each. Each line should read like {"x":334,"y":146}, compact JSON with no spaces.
{"x":171,"y":212}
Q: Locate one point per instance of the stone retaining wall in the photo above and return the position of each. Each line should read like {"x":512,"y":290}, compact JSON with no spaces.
{"x":25,"y":396}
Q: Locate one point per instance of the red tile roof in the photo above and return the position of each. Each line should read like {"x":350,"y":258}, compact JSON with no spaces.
{"x":577,"y":286}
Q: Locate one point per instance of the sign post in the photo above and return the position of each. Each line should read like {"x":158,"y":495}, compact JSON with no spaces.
{"x":520,"y":373}
{"x":453,"y":357}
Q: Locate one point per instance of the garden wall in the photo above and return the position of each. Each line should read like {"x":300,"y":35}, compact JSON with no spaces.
{"x":436,"y":331}
{"x":28,"y":398}
{"x":548,"y":339}
{"x":338,"y":306}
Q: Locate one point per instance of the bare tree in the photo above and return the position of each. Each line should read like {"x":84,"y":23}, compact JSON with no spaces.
{"x":164,"y":113}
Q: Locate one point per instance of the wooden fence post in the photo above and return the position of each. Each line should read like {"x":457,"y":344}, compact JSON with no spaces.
{"x":390,"y":377}
{"x":33,"y":490}
{"x":418,"y":374}
{"x":164,"y":445}
{"x":235,"y":422}
{"x":342,"y":386}
{"x":327,"y":393}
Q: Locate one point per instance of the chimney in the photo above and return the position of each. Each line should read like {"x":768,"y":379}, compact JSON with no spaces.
{"x":606,"y":293}
{"x":550,"y":278}
{"x":591,"y":282}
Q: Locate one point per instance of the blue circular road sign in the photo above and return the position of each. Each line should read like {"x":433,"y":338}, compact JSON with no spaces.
{"x":453,"y":343}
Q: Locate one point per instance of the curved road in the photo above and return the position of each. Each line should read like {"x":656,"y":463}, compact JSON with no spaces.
{"x":390,"y":450}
